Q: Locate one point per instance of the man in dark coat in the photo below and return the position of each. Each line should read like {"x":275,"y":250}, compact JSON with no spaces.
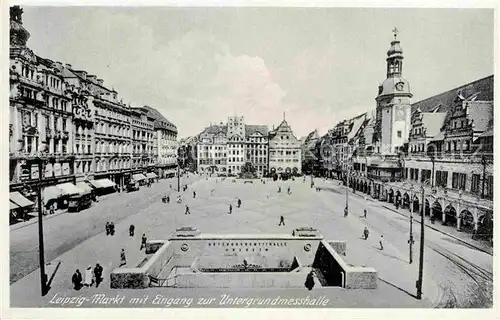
{"x":310,"y":281}
{"x":98,"y":275}
{"x":230,"y":208}
{"x":143,"y":241}
{"x":239,"y":202}
{"x":131,"y":230}
{"x":282,"y":221}
{"x":107,"y":228}
{"x":77,"y":279}
{"x":112,"y":228}
{"x":194,"y":194}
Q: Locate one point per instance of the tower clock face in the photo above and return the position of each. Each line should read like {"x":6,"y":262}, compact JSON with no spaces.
{"x":400,"y":86}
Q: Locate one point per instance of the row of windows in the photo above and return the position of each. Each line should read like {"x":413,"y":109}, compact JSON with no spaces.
{"x":283,"y":160}
{"x":241,"y":244}
{"x":281,"y":152}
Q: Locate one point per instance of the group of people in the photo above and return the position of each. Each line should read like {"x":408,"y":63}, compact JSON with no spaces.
{"x":366,"y":233}
{"x":91,"y":276}
{"x":238,"y":203}
{"x":110,"y":228}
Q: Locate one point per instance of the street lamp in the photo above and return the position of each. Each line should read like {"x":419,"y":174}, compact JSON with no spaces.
{"x":422,"y":228}
{"x":411,"y":241}
{"x":41,"y":251}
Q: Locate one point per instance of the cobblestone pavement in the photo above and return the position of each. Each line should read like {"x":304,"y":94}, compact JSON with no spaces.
{"x":453,"y":272}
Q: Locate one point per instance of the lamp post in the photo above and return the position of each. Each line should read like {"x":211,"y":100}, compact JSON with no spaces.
{"x":422,"y":228}
{"x":411,"y":241}
{"x":346,"y":210}
{"x":41,"y":251}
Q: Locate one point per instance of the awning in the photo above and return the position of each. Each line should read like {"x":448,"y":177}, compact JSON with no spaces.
{"x":50,"y":193}
{"x":20,"y":200}
{"x":138,"y":177}
{"x":151,"y":175}
{"x":69,"y":188}
{"x":84,"y":187}
{"x":13,"y":206}
{"x":102,"y":183}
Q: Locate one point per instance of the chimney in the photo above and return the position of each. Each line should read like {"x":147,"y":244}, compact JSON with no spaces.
{"x":100,"y":82}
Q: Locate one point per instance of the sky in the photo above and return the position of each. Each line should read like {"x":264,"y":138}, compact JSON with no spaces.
{"x":315,"y":66}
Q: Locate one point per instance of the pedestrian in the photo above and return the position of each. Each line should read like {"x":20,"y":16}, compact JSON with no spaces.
{"x":131,"y":230}
{"x":381,"y":242}
{"x":364,"y":214}
{"x":168,"y":198}
{"x":76,"y":279}
{"x":89,"y":277}
{"x":143,"y":241}
{"x":194,"y":194}
{"x":52,"y":210}
{"x":282,"y":221}
{"x":170,"y":186}
{"x":187,"y":210}
{"x":230,"y":208}
{"x":279,"y":189}
{"x":310,"y":281}
{"x":239,"y":202}
{"x":346,"y":212}
{"x":123,"y":259}
{"x":107,"y":228}
{"x":289,"y":192}
{"x":366,"y":233}
{"x":98,"y":275}
{"x":112,"y":228}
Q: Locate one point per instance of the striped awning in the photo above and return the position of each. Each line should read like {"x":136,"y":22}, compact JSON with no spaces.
{"x":138,"y":177}
{"x":19,"y":199}
{"x":151,"y":175}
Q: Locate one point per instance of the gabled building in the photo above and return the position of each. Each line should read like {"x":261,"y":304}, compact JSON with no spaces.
{"x":284,"y":151}
{"x":256,"y":148}
{"x":212,"y":150}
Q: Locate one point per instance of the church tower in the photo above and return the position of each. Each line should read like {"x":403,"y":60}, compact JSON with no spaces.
{"x":392,"y":125}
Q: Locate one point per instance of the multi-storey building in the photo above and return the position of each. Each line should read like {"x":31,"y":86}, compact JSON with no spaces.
{"x":166,"y":146}
{"x":212,"y":150}
{"x":284,"y":151}
{"x":66,"y":121}
{"x":41,"y":116}
{"x":309,"y":152}
{"x":188,"y":154}
{"x":235,"y":144}
{"x":143,"y":140}
{"x":256,"y":147}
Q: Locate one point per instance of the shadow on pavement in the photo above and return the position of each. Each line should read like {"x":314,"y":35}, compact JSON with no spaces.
{"x":400,"y":289}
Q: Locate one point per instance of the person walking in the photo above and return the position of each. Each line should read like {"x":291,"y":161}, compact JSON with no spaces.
{"x":89,"y":277}
{"x":239,"y":202}
{"x":187,"y":210}
{"x":230,"y":208}
{"x":143,"y":241}
{"x":366,"y":233}
{"x":131,"y":230}
{"x":288,"y":191}
{"x":194,"y":194}
{"x":76,"y":279}
{"x":168,"y":198}
{"x":279,"y":189}
{"x":282,"y":221}
{"x":346,"y":212}
{"x":112,"y":228}
{"x":107,"y":228}
{"x":364,"y":214}
{"x":98,"y":274}
{"x":123,"y":258}
{"x":310,"y":281}
{"x":381,"y":242}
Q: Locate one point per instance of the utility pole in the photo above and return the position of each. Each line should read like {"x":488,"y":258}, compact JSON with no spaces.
{"x":43,"y":276}
{"x":483,"y":162}
{"x":178,"y":178}
{"x":346,"y":210}
{"x":421,"y":262}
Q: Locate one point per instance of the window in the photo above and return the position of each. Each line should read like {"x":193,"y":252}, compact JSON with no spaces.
{"x":441,"y":178}
{"x":458,"y":180}
{"x":489,"y":187}
{"x":399,"y":134}
{"x":475,"y":184}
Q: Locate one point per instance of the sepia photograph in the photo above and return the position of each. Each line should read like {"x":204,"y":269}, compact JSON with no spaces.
{"x":252,"y":157}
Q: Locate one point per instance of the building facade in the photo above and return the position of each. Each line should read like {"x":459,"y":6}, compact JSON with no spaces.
{"x":236,"y":155}
{"x":257,"y":148}
{"x":212,"y":150}
{"x":284,"y":151}
{"x":68,"y":123}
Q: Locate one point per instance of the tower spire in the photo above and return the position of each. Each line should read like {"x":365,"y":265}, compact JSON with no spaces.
{"x":284,"y":116}
{"x":395,"y":31}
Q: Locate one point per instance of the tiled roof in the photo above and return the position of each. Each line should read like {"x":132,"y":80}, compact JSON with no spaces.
{"x":433,"y":122}
{"x":483,"y":87}
{"x":481,"y":113}
{"x":251,"y":129}
{"x":215,"y":129}
{"x":160,"y":121}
